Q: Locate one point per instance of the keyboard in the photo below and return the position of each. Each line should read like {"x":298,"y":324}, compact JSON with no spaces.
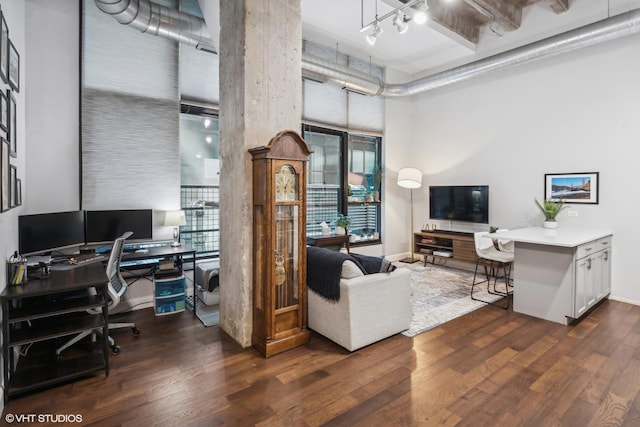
{"x":86,"y":258}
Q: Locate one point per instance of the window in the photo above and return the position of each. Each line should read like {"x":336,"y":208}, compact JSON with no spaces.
{"x":200,"y":179}
{"x":342,"y":179}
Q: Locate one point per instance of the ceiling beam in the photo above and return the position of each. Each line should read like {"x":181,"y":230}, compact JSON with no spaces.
{"x":558,"y":6}
{"x":505,"y":13}
{"x":460,"y":24}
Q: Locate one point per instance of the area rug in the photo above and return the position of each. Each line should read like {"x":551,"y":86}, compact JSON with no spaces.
{"x":209,"y":315}
{"x":440,"y":294}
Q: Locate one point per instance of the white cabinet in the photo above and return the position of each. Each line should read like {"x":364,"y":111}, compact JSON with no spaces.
{"x":593,"y":274}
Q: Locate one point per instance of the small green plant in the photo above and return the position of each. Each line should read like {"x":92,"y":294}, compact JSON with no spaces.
{"x":493,"y":229}
{"x":343,"y":221}
{"x":550,"y":208}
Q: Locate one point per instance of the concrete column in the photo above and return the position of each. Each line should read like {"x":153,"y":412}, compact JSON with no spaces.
{"x":260,"y":95}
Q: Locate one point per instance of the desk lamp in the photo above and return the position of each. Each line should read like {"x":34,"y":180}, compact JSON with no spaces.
{"x":175,"y":219}
{"x":410,"y":178}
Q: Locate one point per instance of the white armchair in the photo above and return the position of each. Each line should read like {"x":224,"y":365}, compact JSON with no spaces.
{"x":371,"y":307}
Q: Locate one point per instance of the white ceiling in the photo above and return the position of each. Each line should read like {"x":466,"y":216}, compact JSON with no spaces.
{"x":426,"y":49}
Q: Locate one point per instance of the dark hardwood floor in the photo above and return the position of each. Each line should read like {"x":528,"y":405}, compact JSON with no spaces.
{"x":489,"y":368}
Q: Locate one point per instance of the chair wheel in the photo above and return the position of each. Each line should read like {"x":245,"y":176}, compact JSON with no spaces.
{"x":135,"y":331}
{"x":115,"y":349}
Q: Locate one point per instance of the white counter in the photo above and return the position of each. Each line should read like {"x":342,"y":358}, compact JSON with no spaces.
{"x":563,"y":236}
{"x":559,"y":274}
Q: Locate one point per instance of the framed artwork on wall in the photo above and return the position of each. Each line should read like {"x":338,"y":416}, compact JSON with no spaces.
{"x":4,"y":49}
{"x":580,"y":187}
{"x":4,"y":175}
{"x":14,"y":67}
{"x":13,"y":177}
{"x":12,"y":123}
{"x":18,"y":192}
{"x":4,"y":112}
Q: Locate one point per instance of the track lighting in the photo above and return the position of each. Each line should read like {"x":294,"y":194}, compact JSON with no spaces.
{"x":371,"y":38}
{"x":400,"y":23}
{"x":420,"y":17}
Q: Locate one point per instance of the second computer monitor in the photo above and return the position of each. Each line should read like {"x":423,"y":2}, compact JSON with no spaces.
{"x":105,"y":226}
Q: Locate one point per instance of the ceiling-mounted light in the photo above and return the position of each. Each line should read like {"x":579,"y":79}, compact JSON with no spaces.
{"x":420,"y":17}
{"x":209,"y":139}
{"x":400,"y":23}
{"x":207,"y":122}
{"x":371,"y":38}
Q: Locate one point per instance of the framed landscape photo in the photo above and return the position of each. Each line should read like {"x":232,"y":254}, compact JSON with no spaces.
{"x":12,"y":123}
{"x":14,"y":67}
{"x":4,"y":49}
{"x":581,"y":187}
{"x":4,"y":175}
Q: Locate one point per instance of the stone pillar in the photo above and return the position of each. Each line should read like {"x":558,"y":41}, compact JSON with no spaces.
{"x":260,"y":95}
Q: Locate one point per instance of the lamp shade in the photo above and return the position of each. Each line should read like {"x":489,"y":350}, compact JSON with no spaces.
{"x":174,"y":218}
{"x":410,"y":178}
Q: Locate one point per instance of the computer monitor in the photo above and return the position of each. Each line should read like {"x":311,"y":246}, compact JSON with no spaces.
{"x":103,"y":227}
{"x":49,"y":232}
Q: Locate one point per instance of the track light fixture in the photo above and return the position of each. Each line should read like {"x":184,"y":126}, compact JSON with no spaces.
{"x":377,"y":30}
{"x":401,"y":19}
{"x":420,"y":16}
{"x":400,"y":23}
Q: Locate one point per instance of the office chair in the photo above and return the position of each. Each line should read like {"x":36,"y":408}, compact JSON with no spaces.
{"x":492,"y":260}
{"x":116,"y":288}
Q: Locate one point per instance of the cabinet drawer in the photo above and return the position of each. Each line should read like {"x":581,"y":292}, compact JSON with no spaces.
{"x":587,"y":249}
{"x":604,"y":243}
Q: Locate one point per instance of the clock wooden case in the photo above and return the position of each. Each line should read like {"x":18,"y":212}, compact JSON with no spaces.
{"x":279,"y":243}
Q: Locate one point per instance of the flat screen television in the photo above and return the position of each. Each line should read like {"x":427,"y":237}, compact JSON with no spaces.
{"x":468,"y":203}
{"x":105,"y":226}
{"x":49,"y":232}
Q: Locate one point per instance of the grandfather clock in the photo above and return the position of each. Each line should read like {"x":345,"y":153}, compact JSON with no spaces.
{"x":279,"y":244}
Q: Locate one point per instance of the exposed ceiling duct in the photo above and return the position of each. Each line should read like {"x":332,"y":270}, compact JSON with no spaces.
{"x":192,"y":30}
{"x":152,"y":18}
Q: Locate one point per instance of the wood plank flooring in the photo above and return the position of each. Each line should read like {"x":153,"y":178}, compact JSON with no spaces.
{"x":489,"y":368}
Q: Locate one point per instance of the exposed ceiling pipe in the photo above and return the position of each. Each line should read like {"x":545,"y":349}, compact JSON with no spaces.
{"x":149,"y":17}
{"x":189,"y":29}
{"x":589,"y":35}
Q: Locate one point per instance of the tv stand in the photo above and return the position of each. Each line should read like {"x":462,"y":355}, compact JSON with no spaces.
{"x":443,"y":245}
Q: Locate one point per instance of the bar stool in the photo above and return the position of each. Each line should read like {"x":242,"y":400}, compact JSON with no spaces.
{"x":492,"y":260}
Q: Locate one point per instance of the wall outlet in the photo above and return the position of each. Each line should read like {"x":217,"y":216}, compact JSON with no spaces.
{"x":572,"y":213}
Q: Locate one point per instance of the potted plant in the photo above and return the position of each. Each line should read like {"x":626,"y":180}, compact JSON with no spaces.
{"x":550,"y":209}
{"x":342,"y":223}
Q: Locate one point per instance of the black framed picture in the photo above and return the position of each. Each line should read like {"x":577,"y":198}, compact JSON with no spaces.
{"x":4,"y":112}
{"x":18,"y":192}
{"x":4,"y":175}
{"x":13,"y":182}
{"x":4,"y":48}
{"x":12,"y":123}
{"x":577,"y":187}
{"x":14,"y":67}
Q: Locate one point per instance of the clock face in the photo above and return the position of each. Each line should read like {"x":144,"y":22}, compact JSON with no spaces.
{"x":286,"y":184}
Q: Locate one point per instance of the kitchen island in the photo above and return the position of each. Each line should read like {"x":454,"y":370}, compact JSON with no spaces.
{"x":561,"y":273}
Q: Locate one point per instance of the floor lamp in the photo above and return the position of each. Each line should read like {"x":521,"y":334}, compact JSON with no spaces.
{"x":410,"y":178}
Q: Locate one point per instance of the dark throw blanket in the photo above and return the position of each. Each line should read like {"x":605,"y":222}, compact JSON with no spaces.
{"x":324,"y":268}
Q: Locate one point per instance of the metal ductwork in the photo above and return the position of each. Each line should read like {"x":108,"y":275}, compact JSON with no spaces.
{"x":589,"y":35}
{"x":185,"y":28}
{"x":149,"y":17}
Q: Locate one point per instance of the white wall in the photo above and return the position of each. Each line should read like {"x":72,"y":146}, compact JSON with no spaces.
{"x":575,"y":113}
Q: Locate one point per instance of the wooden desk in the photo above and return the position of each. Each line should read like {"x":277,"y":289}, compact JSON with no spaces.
{"x":331,"y":240}
{"x":22,"y":303}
